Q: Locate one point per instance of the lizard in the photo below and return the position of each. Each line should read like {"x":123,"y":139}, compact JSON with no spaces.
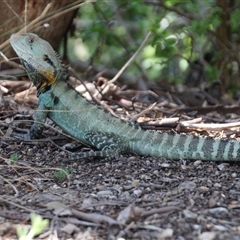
{"x":96,"y":127}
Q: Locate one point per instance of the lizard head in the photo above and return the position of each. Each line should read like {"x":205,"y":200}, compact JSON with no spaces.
{"x":39,"y":59}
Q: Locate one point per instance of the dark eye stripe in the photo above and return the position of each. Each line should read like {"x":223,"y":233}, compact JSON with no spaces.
{"x":48,"y":60}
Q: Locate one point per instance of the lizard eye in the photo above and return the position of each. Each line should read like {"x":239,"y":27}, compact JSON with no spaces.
{"x":31,"y":40}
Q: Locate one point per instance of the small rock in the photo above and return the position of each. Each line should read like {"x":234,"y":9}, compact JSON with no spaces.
{"x":148,"y":189}
{"x":78,"y":182}
{"x":234,"y":175}
{"x":207,"y":236}
{"x":131,"y":159}
{"x":203,"y":189}
{"x":222,"y":166}
{"x":148,"y":162}
{"x":107,"y":165}
{"x":218,"y":210}
{"x":104,"y":194}
{"x":217,"y":185}
{"x":220,"y":228}
{"x":212,"y":203}
{"x":197,"y":163}
{"x":145,"y":177}
{"x":70,"y":228}
{"x":135,"y":183}
{"x":137,"y":193}
{"x":125,"y":196}
{"x":166,"y":233}
{"x":165,"y":165}
{"x":93,"y":195}
{"x":30,"y":152}
{"x":196,"y":227}
{"x":189,"y":215}
{"x":187,"y":186}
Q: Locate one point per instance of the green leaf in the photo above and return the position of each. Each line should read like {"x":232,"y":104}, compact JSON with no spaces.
{"x":14,"y":158}
{"x":38,"y":224}
{"x":170,"y":42}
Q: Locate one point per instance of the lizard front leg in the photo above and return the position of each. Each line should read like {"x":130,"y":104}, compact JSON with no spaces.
{"x":39,"y":120}
{"x":36,"y":130}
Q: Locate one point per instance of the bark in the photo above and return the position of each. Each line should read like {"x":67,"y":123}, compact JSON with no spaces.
{"x":224,"y":42}
{"x":11,"y":22}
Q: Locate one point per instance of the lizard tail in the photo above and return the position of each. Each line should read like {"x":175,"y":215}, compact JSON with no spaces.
{"x":189,"y":147}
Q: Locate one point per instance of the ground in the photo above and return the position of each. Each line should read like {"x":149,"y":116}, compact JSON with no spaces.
{"x":130,"y":197}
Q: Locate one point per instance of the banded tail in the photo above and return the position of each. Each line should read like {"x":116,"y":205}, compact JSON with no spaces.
{"x":189,"y":147}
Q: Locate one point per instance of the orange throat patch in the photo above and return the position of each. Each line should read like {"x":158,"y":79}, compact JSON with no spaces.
{"x":49,"y":80}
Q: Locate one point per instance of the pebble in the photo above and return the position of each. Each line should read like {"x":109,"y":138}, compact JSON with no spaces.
{"x":207,"y":236}
{"x":189,"y":215}
{"x":187,"y":185}
{"x":217,"y":185}
{"x":212,"y":203}
{"x":222,"y":166}
{"x":218,"y":210}
{"x":234,"y":175}
{"x":125,"y":196}
{"x":137,"y":193}
{"x":203,"y":189}
{"x":197,"y":163}
{"x":220,"y":228}
{"x":166,"y":233}
{"x":135,"y":183}
{"x":104,"y":194}
{"x":30,"y":152}
{"x":131,"y":159}
{"x":165,"y":165}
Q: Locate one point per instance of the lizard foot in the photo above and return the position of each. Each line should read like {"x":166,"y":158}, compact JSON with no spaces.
{"x":22,"y":136}
{"x":108,"y":155}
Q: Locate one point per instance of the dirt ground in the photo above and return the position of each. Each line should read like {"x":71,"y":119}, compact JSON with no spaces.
{"x":130,"y":197}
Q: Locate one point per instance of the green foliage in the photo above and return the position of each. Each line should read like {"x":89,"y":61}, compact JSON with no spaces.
{"x":182,"y":32}
{"x":211,"y":73}
{"x":38,"y":224}
{"x":234,"y":20}
{"x":14,"y":158}
{"x":62,"y":173}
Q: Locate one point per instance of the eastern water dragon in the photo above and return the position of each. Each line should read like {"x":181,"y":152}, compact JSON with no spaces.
{"x":96,"y":127}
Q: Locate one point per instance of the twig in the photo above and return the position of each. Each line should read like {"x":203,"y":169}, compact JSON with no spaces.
{"x":173,"y":9}
{"x":209,"y":126}
{"x":134,"y":118}
{"x":40,"y":19}
{"x":71,"y":70}
{"x":30,"y":24}
{"x":60,"y":13}
{"x":131,"y":59}
{"x":6,"y":180}
{"x":129,"y":39}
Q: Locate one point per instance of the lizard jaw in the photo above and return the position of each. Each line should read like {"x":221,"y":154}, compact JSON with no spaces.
{"x":42,"y":80}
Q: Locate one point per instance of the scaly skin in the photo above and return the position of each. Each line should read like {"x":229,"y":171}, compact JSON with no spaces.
{"x":94,"y":126}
